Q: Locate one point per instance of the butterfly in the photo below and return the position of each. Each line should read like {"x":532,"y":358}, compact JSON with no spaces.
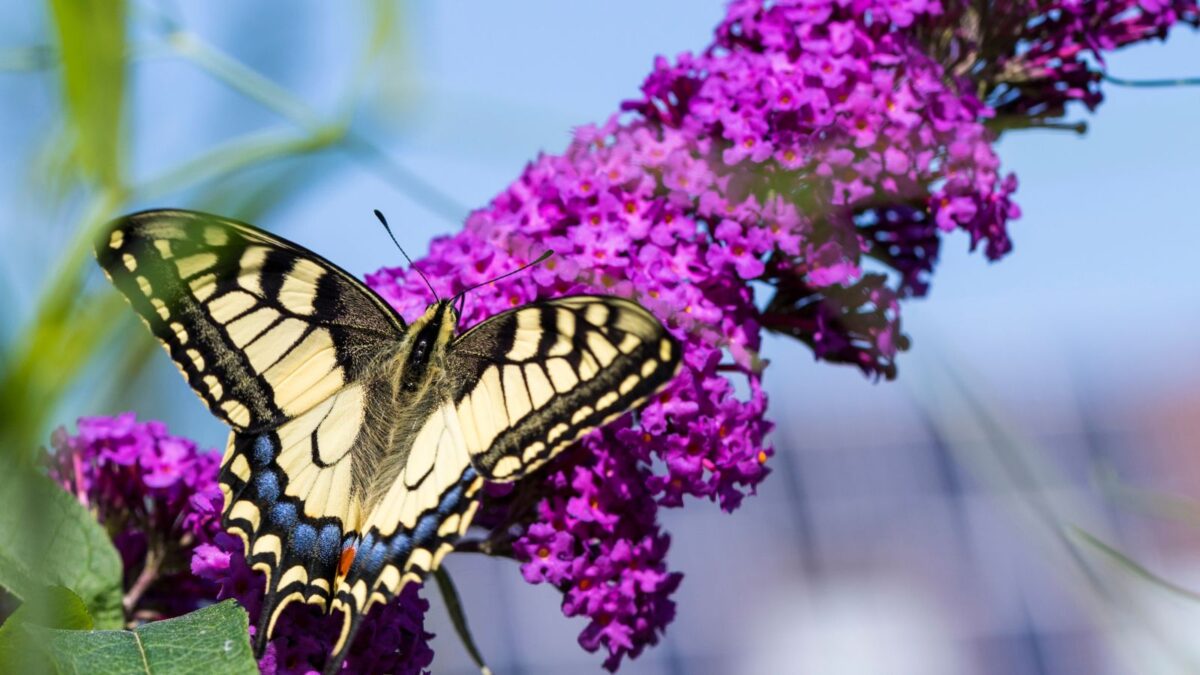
{"x":359,"y":443}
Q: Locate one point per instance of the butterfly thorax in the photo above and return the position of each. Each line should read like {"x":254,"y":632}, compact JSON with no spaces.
{"x":408,"y":383}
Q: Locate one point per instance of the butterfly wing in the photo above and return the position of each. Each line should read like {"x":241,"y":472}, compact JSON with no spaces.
{"x":261,"y":328}
{"x":275,"y":340}
{"x":533,"y":380}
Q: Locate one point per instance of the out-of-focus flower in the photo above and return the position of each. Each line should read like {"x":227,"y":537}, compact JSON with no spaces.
{"x":156,"y":495}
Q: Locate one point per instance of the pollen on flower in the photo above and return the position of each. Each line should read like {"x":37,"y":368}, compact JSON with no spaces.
{"x":762,"y":457}
{"x":543,"y":553}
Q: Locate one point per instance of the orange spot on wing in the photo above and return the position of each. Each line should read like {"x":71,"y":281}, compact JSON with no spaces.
{"x":347,"y":558}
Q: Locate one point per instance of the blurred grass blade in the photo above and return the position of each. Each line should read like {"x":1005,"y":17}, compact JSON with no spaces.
{"x":91,"y":36}
{"x":459,"y":618}
{"x":1133,"y":566}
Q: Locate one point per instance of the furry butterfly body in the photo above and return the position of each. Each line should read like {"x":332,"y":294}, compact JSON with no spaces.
{"x":360,"y":442}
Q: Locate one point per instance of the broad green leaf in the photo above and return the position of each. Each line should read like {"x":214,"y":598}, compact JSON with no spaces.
{"x":58,"y":607}
{"x":91,"y":37}
{"x":48,"y":538}
{"x":209,"y":640}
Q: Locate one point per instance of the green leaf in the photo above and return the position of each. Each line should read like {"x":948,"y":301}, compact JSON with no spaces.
{"x":209,"y":640}
{"x":48,"y":538}
{"x":91,"y":36}
{"x":59,"y":607}
{"x":459,"y":617}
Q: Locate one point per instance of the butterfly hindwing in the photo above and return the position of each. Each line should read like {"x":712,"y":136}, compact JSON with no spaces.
{"x":261,"y":329}
{"x":531,"y":381}
{"x":290,"y":497}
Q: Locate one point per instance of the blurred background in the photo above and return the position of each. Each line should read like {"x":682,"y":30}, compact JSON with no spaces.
{"x":1025,"y":498}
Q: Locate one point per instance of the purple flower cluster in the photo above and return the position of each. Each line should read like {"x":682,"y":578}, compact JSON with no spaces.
{"x":158,"y":497}
{"x":596,"y":538}
{"x":819,"y":148}
{"x":616,"y":228}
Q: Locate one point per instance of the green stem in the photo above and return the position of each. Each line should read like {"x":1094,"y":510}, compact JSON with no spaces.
{"x":259,"y":88}
{"x":459,"y":618}
{"x":1168,"y":82}
{"x":239,"y":154}
{"x":1133,"y":566}
{"x":242,"y":79}
{"x":56,"y":344}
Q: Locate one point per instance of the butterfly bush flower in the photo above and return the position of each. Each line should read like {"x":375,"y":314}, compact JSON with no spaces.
{"x":157,"y":496}
{"x":816,"y":153}
{"x":158,"y":499}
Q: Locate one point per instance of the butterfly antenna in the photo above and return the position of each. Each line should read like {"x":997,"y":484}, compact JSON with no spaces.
{"x":462,"y":295}
{"x":379,"y":215}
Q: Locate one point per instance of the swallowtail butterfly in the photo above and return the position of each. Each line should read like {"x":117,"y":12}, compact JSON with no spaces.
{"x":360,"y":442}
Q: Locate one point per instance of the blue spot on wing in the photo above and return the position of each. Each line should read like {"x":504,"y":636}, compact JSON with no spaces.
{"x":400,"y":547}
{"x":264,"y":450}
{"x":329,"y":544}
{"x":360,"y":558}
{"x":304,"y":538}
{"x":267,"y":484}
{"x":426,"y":528}
{"x":374,"y":558}
{"x":450,"y":500}
{"x":283,"y":515}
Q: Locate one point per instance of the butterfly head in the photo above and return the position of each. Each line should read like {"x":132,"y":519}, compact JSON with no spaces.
{"x":424,"y":349}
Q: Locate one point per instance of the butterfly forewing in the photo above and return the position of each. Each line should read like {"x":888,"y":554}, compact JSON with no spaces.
{"x":531,"y":381}
{"x":261,"y":329}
